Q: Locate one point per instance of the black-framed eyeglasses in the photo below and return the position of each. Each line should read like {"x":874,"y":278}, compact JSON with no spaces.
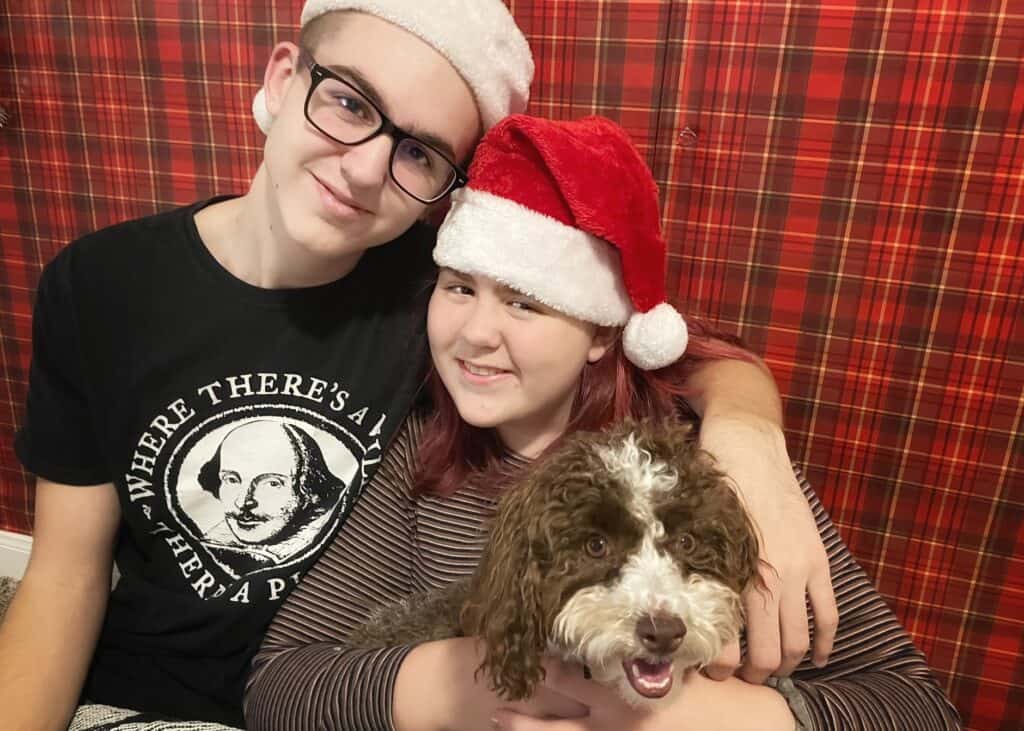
{"x":343,"y":113}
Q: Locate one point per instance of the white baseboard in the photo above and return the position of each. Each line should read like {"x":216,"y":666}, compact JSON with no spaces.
{"x":14,"y":550}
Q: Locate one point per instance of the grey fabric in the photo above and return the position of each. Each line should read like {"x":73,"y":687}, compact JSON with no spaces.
{"x":797,"y":703}
{"x":7,"y":587}
{"x":95,"y":717}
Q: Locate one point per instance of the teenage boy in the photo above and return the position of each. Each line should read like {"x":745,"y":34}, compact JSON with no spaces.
{"x":298,"y":304}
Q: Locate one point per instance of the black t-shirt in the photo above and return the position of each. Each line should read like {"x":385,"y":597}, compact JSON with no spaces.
{"x":238,"y":424}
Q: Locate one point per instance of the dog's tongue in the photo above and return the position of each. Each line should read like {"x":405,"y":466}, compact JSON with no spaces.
{"x":649,"y":679}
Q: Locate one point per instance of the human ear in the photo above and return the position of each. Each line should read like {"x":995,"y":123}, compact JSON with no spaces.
{"x":604,"y":337}
{"x":282,"y":68}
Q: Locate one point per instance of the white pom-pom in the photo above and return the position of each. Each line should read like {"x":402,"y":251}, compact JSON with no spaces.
{"x":656,"y":338}
{"x":259,"y":110}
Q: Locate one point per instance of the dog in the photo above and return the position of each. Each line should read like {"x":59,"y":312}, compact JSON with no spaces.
{"x":625,"y":550}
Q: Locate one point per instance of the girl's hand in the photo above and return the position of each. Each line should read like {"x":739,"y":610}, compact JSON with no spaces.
{"x":753,"y":454}
{"x":438,"y":688}
{"x":605,"y":709}
{"x":699,"y":704}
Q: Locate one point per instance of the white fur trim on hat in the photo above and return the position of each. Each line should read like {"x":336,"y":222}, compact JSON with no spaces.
{"x":656,"y":338}
{"x":479,"y":37}
{"x":259,"y":110}
{"x":560,"y":266}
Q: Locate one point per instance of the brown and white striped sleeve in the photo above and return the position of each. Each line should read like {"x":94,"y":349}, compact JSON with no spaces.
{"x":304,"y":677}
{"x":875,"y":678}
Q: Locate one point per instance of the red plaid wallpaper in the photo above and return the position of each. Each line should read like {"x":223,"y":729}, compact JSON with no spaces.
{"x":842,"y":186}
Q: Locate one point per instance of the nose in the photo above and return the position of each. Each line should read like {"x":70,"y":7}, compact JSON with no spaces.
{"x":246,"y":500}
{"x":481,"y":328}
{"x":366,"y":165}
{"x":661,"y":633}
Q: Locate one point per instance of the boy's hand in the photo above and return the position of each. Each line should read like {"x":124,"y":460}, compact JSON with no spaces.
{"x":754,"y":456}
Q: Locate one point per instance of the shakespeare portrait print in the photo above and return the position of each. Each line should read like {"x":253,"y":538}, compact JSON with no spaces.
{"x":248,"y":476}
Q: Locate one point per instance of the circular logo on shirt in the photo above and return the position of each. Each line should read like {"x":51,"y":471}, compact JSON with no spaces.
{"x":245,"y":481}
{"x":256,"y":486}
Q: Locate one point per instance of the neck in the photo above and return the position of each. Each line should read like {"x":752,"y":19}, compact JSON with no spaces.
{"x":248,"y":238}
{"x":530,"y":440}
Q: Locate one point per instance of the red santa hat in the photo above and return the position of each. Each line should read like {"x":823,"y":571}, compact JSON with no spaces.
{"x":567,"y":213}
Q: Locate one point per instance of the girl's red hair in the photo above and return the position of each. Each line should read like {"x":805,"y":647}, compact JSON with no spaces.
{"x":452,"y":452}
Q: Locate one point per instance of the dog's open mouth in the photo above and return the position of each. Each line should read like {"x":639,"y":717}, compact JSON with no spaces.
{"x":649,"y":679}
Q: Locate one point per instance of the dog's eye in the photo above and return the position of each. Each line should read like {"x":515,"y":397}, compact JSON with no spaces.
{"x":597,"y":546}
{"x":686,"y":542}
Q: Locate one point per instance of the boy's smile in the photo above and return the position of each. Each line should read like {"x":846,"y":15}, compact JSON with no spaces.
{"x":316,"y":204}
{"x":343,"y":206}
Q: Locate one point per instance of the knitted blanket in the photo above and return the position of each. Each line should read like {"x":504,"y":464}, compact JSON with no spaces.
{"x":95,"y":717}
{"x":7,"y":587}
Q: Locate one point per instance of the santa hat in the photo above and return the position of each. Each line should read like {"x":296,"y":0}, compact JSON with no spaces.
{"x":567,"y":213}
{"x":478,"y":37}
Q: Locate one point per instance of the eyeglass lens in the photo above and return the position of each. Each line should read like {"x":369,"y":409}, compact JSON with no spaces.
{"x":341,"y":112}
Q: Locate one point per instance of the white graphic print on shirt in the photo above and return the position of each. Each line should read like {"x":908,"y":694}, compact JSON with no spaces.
{"x":249,"y":476}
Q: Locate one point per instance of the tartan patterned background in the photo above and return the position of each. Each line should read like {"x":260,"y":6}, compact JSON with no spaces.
{"x":842,"y":186}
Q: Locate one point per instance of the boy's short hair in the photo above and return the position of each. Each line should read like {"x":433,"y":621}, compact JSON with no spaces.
{"x":479,"y":38}
{"x":314,"y":31}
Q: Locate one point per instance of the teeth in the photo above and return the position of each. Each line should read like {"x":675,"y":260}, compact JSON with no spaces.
{"x":652,"y":685}
{"x":478,"y":371}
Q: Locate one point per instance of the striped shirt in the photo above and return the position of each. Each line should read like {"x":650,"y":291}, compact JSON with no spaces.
{"x":393,"y":544}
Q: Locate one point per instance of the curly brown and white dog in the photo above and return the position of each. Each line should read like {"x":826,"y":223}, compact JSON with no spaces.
{"x":625,"y":550}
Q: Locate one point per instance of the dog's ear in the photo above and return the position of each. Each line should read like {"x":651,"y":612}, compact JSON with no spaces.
{"x":746,"y":560}
{"x":505,"y":608}
{"x":742,"y":557}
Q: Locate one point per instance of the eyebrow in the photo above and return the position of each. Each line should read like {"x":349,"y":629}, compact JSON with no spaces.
{"x":501,"y":287}
{"x":509,"y":291}
{"x":456,"y":274}
{"x":506,"y":291}
{"x":370,"y":92}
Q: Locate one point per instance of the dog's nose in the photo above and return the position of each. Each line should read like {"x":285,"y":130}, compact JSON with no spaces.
{"x":661,"y":633}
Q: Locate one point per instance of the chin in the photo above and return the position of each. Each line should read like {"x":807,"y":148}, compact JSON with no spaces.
{"x":329,"y":243}
{"x":477,"y":414}
{"x":321,"y":239}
